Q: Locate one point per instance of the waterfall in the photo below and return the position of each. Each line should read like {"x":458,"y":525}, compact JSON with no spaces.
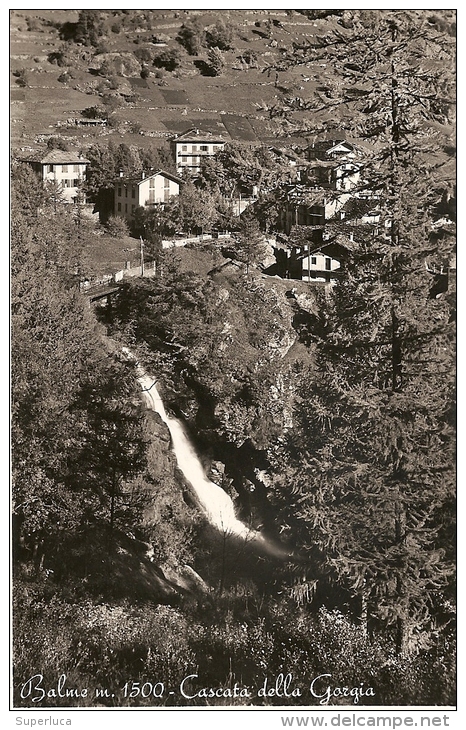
{"x":214,"y":501}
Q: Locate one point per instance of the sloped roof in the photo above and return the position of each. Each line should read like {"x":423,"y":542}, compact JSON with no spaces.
{"x":305,"y":195}
{"x":139,"y":180}
{"x":197,"y":135}
{"x":322,"y":147}
{"x":333,"y":245}
{"x":57,"y":157}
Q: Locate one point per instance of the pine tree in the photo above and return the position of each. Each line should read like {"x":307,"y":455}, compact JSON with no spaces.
{"x":372,"y":458}
{"x":89,"y":28}
{"x":215,"y":61}
{"x":249,"y":244}
{"x":67,"y":437}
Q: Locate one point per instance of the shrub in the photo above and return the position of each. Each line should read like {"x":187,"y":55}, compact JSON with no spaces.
{"x":57,"y":143}
{"x":21,"y":77}
{"x":192,"y":37}
{"x":60,"y":57}
{"x":219,"y":36}
{"x":169,"y":60}
{"x":117,"y":227}
{"x":94,"y":112}
{"x":143,"y":55}
{"x":215,"y":62}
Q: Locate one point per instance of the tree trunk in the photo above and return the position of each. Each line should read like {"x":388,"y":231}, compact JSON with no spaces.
{"x":402,"y":599}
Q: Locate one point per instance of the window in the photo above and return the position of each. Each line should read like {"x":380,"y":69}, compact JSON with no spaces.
{"x":216,"y":147}
{"x":119,"y":207}
{"x":328,"y":263}
{"x":184,"y":148}
{"x":313,"y":260}
{"x":75,"y":183}
{"x":194,"y":148}
{"x":166,"y":183}
{"x":133,"y":193}
{"x":64,"y":168}
{"x":195,"y":160}
{"x":49,"y":168}
{"x":126,"y":192}
{"x":132,"y":208}
{"x":184,"y":159}
{"x":204,"y":148}
{"x":152,"y":183}
{"x":75,"y":168}
{"x":119,"y":192}
{"x":126,"y":207}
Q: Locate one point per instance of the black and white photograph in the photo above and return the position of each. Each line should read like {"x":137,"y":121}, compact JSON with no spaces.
{"x":233,"y":374}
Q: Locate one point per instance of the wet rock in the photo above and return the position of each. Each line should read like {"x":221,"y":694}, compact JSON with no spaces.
{"x":306,"y":302}
{"x":216,"y":471}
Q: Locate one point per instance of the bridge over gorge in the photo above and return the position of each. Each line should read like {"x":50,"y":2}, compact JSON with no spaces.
{"x":99,"y":291}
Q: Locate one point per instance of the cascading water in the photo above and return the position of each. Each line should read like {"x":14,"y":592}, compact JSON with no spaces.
{"x":214,"y":501}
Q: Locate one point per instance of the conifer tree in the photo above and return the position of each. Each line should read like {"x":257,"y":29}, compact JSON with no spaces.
{"x":372,"y":456}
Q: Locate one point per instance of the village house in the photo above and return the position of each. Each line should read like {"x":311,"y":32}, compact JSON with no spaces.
{"x":190,"y":147}
{"x":329,"y":188}
{"x":154,"y":189}
{"x":67,"y":169}
{"x":333,"y":165}
{"x":306,"y":206}
{"x":321,"y":262}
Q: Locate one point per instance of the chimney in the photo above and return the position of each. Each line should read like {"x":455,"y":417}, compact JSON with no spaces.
{"x":143,"y":175}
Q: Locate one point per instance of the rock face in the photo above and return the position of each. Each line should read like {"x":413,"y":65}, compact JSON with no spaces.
{"x":306,"y":302}
{"x":269,"y":257}
{"x":185,"y":579}
{"x":284,"y":344}
{"x":217,"y":471}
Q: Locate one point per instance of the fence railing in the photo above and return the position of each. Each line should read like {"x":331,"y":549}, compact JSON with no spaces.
{"x":108,"y":279}
{"x":174,"y":242}
{"x":149,"y":266}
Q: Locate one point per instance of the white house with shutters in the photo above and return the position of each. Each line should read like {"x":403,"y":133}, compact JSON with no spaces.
{"x":192,"y":146}
{"x":320,"y":261}
{"x":66,"y":169}
{"x":154,"y":189}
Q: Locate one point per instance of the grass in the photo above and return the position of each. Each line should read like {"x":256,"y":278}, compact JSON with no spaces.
{"x":175,"y":96}
{"x":106,"y":255}
{"x":230,"y":101}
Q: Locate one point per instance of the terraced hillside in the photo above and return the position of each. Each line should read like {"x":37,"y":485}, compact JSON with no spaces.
{"x":54,"y":79}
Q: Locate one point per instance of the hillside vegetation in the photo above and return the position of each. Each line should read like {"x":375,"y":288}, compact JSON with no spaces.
{"x":325,"y":412}
{"x":61,"y":80}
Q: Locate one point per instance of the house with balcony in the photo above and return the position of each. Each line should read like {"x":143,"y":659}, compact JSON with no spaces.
{"x":66,"y":169}
{"x":333,"y":165}
{"x":303,"y":205}
{"x":154,"y":189}
{"x":192,"y":146}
